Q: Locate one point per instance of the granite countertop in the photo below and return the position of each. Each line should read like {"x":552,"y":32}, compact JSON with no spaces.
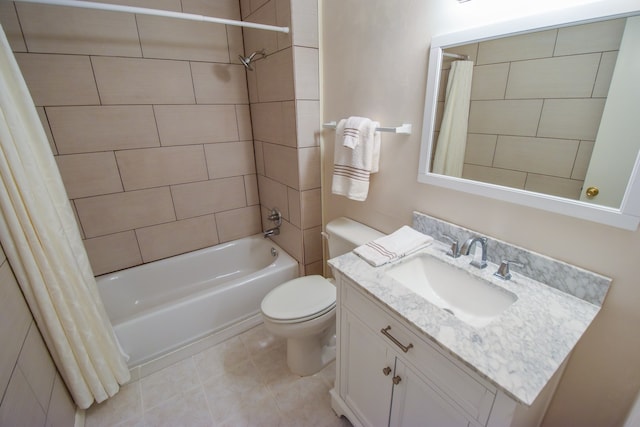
{"x":518,"y":351}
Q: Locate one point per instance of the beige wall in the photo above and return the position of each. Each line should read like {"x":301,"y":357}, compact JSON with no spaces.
{"x":374,"y":61}
{"x":32,"y":392}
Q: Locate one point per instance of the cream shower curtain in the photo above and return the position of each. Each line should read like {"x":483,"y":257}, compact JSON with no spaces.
{"x":452,"y":140}
{"x":42,"y":242}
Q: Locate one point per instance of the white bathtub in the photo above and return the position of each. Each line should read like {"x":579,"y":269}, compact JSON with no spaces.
{"x":158,"y":307}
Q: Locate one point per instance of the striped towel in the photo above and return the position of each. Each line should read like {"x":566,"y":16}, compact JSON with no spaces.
{"x":396,"y":245}
{"x":353,"y":166}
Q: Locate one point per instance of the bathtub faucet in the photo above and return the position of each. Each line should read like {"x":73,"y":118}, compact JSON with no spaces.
{"x":271,"y":232}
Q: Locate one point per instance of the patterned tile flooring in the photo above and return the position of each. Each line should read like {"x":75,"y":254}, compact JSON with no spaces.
{"x":243,"y":381}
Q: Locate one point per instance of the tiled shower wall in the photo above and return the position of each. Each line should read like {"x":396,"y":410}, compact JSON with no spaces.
{"x":536,"y":103}
{"x":149,"y":120}
{"x":285,"y":111}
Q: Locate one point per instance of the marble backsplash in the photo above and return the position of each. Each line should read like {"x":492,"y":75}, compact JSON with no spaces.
{"x":583,"y":284}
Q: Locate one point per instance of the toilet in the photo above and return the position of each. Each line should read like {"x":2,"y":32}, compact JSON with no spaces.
{"x":303,"y":310}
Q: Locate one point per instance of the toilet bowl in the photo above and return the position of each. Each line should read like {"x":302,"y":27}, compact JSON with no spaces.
{"x":303,"y":310}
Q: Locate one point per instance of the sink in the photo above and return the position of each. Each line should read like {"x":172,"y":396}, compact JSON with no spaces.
{"x":471,"y":299}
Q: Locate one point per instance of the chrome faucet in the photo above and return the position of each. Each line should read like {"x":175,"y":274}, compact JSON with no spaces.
{"x":483,"y":244}
{"x":271,"y":232}
{"x":276,"y":217}
{"x":454,"y":252}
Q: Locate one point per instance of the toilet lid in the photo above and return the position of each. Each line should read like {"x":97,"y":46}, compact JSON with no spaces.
{"x":299,"y":298}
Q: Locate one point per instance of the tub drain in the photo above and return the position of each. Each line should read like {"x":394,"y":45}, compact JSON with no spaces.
{"x":274,"y":252}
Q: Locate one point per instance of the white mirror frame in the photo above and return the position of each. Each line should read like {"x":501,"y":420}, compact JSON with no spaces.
{"x":627,"y":217}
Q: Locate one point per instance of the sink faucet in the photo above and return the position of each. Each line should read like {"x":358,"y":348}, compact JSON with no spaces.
{"x":271,"y":232}
{"x":469,"y":243}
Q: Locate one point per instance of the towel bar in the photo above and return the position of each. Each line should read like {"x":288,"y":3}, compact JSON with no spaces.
{"x":405,"y":128}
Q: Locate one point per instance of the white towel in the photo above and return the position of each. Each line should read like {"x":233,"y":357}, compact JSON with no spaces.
{"x":354,"y":129}
{"x":353,"y":167}
{"x":396,"y":245}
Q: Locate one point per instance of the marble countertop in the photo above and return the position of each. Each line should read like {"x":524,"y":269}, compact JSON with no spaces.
{"x":518,"y":351}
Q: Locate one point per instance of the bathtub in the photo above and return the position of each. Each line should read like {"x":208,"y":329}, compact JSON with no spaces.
{"x":159,"y":307}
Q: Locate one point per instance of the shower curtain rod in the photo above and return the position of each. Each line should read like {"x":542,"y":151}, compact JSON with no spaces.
{"x":455,"y":55}
{"x":156,"y":12}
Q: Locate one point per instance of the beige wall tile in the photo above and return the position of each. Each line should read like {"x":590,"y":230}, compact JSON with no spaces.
{"x":143,"y":81}
{"x":289,"y":239}
{"x":239,"y":223}
{"x":228,"y":9}
{"x":582,"y":160}
{"x":505,"y":117}
{"x":11,"y":26}
{"x":219,"y":83}
{"x":555,"y":186}
{"x":495,"y":176}
{"x":304,"y":17}
{"x":281,"y":164}
{"x":165,"y":240}
{"x":243,"y":117}
{"x":89,"y":129}
{"x":480,"y":149}
{"x":563,"y":77}
{"x":59,"y":79}
{"x":489,"y":81}
{"x":527,"y":46}
{"x":230,"y":159}
{"x":113,"y":213}
{"x":15,"y":319}
{"x":255,"y":40}
{"x":274,"y":122}
{"x":202,"y":198}
{"x":252,"y":85}
{"x":306,"y":73}
{"x":196,"y":124}
{"x":283,"y":19}
{"x":273,"y":194}
{"x":113,"y":252}
{"x":308,"y":123}
{"x":311,"y":205}
{"x":594,"y":37}
{"x":62,"y":409}
{"x":171,"y":38}
{"x":314,"y":268}
{"x":471,"y":50}
{"x":605,"y":73}
{"x":90,"y":174}
{"x":312,"y":245}
{"x":47,"y":129}
{"x":257,"y":4}
{"x":19,"y":405}
{"x":37,"y":366}
{"x":154,"y":167}
{"x":259,"y":153}
{"x":57,"y":29}
{"x":275,"y":77}
{"x":173,"y":5}
{"x":251,"y":189}
{"x":295,"y":210}
{"x":538,"y":155}
{"x":77,"y":218}
{"x":236,"y":44}
{"x":571,"y":118}
{"x":245,"y":8}
{"x":309,"y":168}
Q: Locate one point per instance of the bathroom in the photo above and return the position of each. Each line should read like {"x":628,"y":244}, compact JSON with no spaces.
{"x":385,"y":81}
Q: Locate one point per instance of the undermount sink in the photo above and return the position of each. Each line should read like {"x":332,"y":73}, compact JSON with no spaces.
{"x":469,"y":298}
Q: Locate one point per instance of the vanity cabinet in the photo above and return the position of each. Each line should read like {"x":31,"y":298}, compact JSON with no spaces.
{"x":388,"y":375}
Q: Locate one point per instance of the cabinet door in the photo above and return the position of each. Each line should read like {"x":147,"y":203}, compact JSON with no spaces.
{"x":368,"y":388}
{"x":415,"y":403}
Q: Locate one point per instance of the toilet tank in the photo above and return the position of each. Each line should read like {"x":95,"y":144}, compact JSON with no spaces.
{"x":346,"y":234}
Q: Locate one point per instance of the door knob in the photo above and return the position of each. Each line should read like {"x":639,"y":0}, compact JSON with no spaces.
{"x":386,"y":371}
{"x":592,"y":192}
{"x":396,"y":380}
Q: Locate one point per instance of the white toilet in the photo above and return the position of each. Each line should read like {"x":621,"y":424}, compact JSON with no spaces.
{"x":303,"y":310}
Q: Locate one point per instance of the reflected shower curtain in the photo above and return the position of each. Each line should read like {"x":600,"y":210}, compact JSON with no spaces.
{"x":42,"y":242}
{"x":452,"y":141}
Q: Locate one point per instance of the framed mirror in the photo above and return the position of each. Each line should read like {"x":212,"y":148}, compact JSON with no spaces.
{"x":542,"y":111}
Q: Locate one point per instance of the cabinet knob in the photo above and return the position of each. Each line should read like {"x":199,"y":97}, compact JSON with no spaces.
{"x":396,"y":380}
{"x":592,"y":192}
{"x":386,"y":371}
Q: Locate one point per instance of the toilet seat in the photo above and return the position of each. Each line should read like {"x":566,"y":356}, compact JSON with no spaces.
{"x":299,"y":300}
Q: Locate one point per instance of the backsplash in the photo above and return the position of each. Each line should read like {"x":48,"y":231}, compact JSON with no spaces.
{"x":583,"y":284}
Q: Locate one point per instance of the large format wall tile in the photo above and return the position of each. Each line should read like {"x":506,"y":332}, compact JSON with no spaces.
{"x":196,"y":124}
{"x":219,"y":83}
{"x":505,"y":117}
{"x":571,"y":118}
{"x":37,"y":366}
{"x":518,"y":48}
{"x":113,"y":252}
{"x":594,"y":37}
{"x":89,"y":174}
{"x":20,"y":406}
{"x":537,"y":155}
{"x":226,"y":159}
{"x":201,"y":198}
{"x":11,"y":26}
{"x":238,"y":223}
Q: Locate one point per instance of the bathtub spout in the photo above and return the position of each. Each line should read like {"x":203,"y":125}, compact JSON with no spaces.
{"x":271,"y":232}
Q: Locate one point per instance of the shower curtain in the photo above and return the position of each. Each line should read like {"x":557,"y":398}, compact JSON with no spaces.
{"x":44,"y":248}
{"x":452,"y":140}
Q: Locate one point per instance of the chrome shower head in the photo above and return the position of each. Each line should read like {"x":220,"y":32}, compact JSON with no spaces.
{"x":246,"y":60}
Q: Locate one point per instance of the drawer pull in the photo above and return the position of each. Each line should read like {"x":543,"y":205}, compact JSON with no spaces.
{"x":386,"y":371}
{"x":396,"y":380}
{"x":386,"y":333}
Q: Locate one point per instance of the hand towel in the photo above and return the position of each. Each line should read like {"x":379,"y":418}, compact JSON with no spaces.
{"x":396,"y":245}
{"x":353,"y":167}
{"x":354,"y":129}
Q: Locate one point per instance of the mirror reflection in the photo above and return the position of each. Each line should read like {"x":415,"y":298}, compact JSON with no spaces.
{"x":525,"y":111}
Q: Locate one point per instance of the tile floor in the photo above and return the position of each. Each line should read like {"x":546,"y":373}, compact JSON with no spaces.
{"x":243,"y":381}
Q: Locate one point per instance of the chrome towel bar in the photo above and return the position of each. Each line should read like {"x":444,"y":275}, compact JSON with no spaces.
{"x":405,"y":128}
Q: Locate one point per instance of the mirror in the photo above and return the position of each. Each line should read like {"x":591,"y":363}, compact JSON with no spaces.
{"x":538,"y":110}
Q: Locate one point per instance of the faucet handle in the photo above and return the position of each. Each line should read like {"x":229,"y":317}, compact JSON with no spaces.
{"x":454,"y":251}
{"x":503,"y":271}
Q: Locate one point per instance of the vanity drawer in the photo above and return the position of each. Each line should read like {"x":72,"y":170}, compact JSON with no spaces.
{"x":473,"y":395}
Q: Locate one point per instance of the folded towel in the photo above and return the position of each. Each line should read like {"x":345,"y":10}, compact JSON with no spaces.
{"x":353,"y":167}
{"x":396,"y":245}
{"x":354,"y":129}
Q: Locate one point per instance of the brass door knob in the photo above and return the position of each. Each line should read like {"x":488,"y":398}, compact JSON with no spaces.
{"x":396,"y":380}
{"x":386,"y":371}
{"x":592,"y":192}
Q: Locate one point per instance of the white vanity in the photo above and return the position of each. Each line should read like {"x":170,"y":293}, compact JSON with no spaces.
{"x":405,"y":361}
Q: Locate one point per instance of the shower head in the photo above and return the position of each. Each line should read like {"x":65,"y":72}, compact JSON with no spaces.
{"x":246,"y":60}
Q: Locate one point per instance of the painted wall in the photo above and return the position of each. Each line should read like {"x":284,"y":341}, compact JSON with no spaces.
{"x":374,"y":62}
